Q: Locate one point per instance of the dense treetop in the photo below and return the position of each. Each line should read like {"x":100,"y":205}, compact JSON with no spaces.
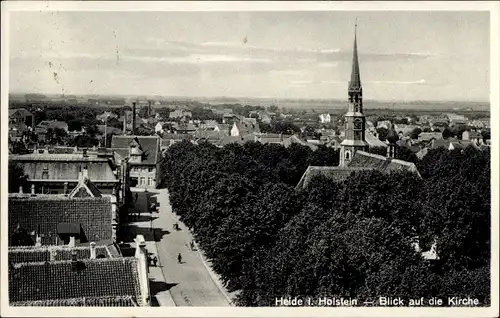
{"x":354,"y":238}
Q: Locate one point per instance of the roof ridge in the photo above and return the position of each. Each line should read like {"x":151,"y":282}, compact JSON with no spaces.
{"x":85,"y":260}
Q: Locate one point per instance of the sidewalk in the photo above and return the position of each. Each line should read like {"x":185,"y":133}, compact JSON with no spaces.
{"x":163,"y":297}
{"x":214,"y":276}
{"x":159,"y":287}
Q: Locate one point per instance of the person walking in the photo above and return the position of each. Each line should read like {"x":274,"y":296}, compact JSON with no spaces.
{"x":192,"y":245}
{"x":179,"y":258}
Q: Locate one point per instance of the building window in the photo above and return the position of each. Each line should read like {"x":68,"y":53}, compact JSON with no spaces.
{"x":45,"y":173}
{"x":142,"y":181}
{"x":150,"y":181}
{"x":150,"y":169}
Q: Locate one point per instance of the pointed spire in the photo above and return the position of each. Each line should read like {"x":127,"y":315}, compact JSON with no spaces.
{"x":355,"y":83}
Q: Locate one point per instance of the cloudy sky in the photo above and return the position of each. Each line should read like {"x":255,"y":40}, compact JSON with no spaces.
{"x":403,"y":55}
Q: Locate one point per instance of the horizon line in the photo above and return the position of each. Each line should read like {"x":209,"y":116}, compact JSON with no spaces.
{"x":148,"y":96}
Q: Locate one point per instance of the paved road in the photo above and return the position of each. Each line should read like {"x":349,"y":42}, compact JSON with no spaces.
{"x":189,"y":283}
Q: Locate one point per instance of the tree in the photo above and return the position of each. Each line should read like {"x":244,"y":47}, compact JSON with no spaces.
{"x":447,"y":133}
{"x":414,"y":134}
{"x":17,"y":178}
{"x":382,"y":133}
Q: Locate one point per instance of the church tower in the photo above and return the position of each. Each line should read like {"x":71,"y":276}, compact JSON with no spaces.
{"x":354,"y":119}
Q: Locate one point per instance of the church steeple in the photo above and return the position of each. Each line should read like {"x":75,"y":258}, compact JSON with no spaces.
{"x":355,"y":122}
{"x":355,"y":82}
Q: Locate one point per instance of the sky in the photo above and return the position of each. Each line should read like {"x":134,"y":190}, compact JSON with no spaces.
{"x":403,"y":55}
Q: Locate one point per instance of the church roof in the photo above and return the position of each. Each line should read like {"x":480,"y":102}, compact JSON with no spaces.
{"x":381,"y":163}
{"x":362,"y":161}
{"x":335,"y":173}
{"x":355,"y":82}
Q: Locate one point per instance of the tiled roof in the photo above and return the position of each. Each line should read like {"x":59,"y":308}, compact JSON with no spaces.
{"x":45,"y":213}
{"x":30,"y":254}
{"x":60,"y":281}
{"x":337,"y":174}
{"x":53,"y":124}
{"x":295,"y":140}
{"x":364,"y":159}
{"x":65,"y":167}
{"x":203,"y":133}
{"x":149,"y":144}
{"x":226,"y":140}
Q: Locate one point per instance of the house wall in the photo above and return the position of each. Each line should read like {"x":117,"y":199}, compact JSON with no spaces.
{"x":146,"y":176}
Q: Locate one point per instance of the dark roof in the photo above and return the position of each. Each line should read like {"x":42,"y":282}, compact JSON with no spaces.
{"x":44,"y":213}
{"x":337,"y":174}
{"x":149,"y":144}
{"x":29,"y":254}
{"x":53,"y":124}
{"x":58,"y":282}
{"x":364,"y":159}
{"x":65,"y":167}
{"x":69,"y":228}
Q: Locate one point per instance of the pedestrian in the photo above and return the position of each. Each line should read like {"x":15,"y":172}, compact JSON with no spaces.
{"x":192,"y":246}
{"x":155,"y":260}
{"x":136,"y":195}
{"x":179,"y":258}
{"x":149,"y":260}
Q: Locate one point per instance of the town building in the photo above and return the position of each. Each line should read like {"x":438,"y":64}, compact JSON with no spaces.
{"x":244,"y":127}
{"x":325,"y":118}
{"x":143,"y":155}
{"x":473,"y":136}
{"x":21,"y":118}
{"x":58,"y":173}
{"x":90,"y":276}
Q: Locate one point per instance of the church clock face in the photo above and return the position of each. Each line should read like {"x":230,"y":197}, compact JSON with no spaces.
{"x":358,"y":125}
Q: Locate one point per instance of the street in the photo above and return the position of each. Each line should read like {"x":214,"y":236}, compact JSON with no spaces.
{"x":190,"y":283}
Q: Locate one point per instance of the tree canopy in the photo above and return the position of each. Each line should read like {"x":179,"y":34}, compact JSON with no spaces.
{"x":352,"y":239}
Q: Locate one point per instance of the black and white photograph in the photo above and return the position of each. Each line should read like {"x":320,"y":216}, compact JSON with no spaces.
{"x":301,"y":159}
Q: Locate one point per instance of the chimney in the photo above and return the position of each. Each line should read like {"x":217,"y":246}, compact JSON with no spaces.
{"x":73,"y":260}
{"x":32,"y":189}
{"x":142,"y":268}
{"x":71,"y":242}
{"x":38,"y":240}
{"x":20,"y":189}
{"x":124,"y":123}
{"x":92,"y":250}
{"x":133,"y":118}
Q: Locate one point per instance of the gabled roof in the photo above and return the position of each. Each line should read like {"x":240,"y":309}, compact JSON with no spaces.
{"x":149,"y":144}
{"x":296,"y":140}
{"x":85,"y":188}
{"x":59,"y":283}
{"x":42,"y":214}
{"x":65,"y":167}
{"x":20,"y":111}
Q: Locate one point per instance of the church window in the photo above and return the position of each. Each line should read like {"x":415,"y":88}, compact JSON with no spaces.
{"x":348,"y":155}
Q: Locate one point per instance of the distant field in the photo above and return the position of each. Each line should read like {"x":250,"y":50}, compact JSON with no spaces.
{"x":297,"y":104}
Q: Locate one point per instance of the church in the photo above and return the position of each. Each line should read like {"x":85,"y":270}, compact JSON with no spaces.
{"x":354,"y":155}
